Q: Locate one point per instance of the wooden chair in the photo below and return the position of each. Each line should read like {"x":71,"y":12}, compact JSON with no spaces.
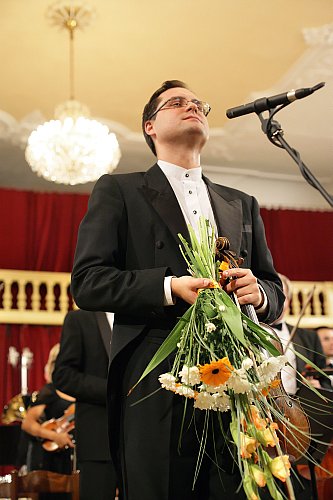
{"x":40,"y":481}
{"x":5,"y":487}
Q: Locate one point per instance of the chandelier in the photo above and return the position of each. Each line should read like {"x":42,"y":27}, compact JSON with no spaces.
{"x":72,"y":148}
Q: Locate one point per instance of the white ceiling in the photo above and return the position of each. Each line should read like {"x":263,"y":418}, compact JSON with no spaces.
{"x":228,"y":52}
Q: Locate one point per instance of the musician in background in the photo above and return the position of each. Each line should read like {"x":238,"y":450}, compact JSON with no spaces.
{"x":304,"y":341}
{"x":81,"y":371}
{"x":325,"y":334}
{"x":48,"y":404}
{"x":326,"y":338}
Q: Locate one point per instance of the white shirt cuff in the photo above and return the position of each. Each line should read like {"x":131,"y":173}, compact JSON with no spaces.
{"x":262,"y":308}
{"x":168,"y":299}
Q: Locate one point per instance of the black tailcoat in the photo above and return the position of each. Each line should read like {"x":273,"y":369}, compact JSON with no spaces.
{"x":81,"y":371}
{"x":128,"y":242}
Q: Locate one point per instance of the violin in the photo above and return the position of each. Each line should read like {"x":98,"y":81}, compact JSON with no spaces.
{"x":294,"y":440}
{"x":309,"y":371}
{"x":65,"y":423}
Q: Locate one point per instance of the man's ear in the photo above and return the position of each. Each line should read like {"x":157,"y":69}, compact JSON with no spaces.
{"x":149,"y":127}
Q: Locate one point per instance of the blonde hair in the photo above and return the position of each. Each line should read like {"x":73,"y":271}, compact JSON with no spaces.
{"x":49,"y":367}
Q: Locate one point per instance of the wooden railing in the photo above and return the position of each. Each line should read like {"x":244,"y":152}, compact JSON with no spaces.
{"x":35,"y":297}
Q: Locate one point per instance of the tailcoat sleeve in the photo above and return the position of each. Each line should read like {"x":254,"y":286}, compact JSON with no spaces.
{"x":103,"y":277}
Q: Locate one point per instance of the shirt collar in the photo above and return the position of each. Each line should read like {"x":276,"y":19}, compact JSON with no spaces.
{"x":171,"y":170}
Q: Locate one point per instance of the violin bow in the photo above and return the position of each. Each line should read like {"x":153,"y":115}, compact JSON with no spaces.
{"x":301,"y":314}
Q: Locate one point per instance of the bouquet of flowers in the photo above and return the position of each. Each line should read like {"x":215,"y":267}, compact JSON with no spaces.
{"x":225,"y":362}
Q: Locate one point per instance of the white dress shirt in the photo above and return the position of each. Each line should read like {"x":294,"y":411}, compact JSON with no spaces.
{"x":191,"y":193}
{"x":110,"y":318}
{"x":192,"y":196}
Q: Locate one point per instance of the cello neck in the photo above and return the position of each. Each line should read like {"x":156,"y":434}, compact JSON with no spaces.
{"x":249,"y":311}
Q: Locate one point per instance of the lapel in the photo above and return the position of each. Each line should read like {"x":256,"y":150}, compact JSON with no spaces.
{"x":159,"y":193}
{"x":228,"y":215}
{"x":105,"y":330}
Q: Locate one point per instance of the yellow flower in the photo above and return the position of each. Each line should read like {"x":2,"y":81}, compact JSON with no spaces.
{"x":280,"y":467}
{"x":269,"y":436}
{"x":248,"y":445}
{"x":216,"y":373}
{"x":258,"y":475}
{"x":259,"y":422}
{"x":249,"y":488}
{"x":224,"y":266}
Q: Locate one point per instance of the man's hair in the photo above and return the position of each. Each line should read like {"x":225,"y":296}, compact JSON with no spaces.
{"x":328,"y":328}
{"x":152,"y":105}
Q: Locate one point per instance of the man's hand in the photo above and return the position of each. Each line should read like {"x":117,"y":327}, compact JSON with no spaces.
{"x":186,"y":287}
{"x":244,"y":285}
{"x":314,"y":382}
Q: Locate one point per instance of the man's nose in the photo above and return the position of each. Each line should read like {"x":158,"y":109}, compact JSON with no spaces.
{"x":192,"y":105}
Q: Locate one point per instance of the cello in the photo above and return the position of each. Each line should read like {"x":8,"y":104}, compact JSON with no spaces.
{"x":294,"y":439}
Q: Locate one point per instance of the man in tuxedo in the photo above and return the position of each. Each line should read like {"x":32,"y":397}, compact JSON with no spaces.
{"x":304,"y":341}
{"x":325,"y":334}
{"x":81,"y":371}
{"x":128,"y":260}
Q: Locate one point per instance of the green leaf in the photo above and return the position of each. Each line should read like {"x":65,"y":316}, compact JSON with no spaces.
{"x":263,"y":336}
{"x":168,"y":346}
{"x":231,"y":315}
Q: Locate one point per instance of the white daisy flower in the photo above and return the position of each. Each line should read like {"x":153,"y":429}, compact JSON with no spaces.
{"x":247,"y":363}
{"x":190,"y":375}
{"x":238,"y":382}
{"x":167,"y":381}
{"x":204,"y":401}
{"x":184,"y":390}
{"x":222,"y":402}
{"x":271,"y":367}
{"x":210,"y":327}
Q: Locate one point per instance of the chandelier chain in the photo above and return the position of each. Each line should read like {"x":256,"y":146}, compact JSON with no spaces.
{"x":72,"y":149}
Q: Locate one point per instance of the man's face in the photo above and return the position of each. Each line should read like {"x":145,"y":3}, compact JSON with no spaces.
{"x":326,"y":339}
{"x":173,"y":125}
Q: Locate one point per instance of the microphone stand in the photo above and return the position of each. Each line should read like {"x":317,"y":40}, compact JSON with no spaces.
{"x":274,"y":133}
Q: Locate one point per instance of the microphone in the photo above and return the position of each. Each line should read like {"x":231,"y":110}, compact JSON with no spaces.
{"x":265,"y":103}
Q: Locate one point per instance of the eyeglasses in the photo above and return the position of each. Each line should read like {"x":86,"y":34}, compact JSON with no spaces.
{"x":182,"y":102}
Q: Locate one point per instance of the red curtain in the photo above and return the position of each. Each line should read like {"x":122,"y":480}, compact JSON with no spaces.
{"x":301,"y":242}
{"x":38,"y":230}
{"x":39,"y":339}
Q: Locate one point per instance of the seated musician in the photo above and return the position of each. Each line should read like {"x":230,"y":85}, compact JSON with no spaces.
{"x":48,"y":404}
{"x":304,"y":341}
{"x":325,"y":334}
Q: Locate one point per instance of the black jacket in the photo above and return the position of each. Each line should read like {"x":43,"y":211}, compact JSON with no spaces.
{"x":81,"y":371}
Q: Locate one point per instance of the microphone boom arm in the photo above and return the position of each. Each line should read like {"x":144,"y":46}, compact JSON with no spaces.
{"x":272,"y":129}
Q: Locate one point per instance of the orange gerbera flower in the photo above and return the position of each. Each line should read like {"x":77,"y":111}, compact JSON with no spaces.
{"x":216,"y":373}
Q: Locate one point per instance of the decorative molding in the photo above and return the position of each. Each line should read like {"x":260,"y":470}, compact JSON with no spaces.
{"x":319,"y":35}
{"x":248,"y":172}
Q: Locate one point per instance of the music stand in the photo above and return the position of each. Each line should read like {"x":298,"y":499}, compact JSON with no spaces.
{"x":320,"y":415}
